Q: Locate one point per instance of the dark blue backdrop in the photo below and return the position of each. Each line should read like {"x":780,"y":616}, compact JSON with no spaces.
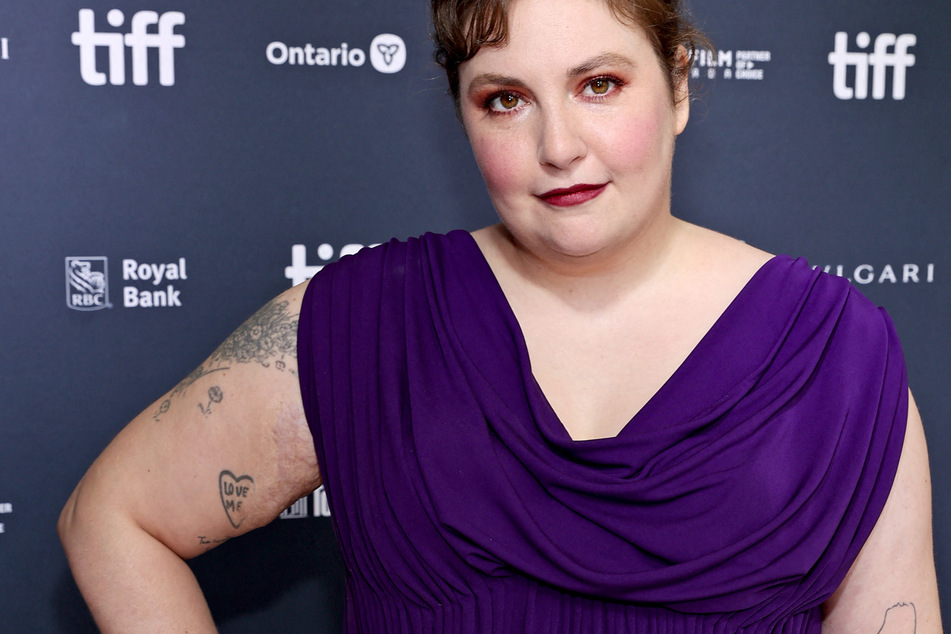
{"x":245,"y":155}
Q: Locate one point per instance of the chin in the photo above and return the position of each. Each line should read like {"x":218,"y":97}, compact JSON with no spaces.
{"x":581,"y":243}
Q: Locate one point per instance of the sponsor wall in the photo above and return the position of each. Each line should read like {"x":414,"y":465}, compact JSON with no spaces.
{"x":171,"y":166}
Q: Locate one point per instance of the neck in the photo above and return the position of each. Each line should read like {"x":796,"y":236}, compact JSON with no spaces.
{"x":591,"y":279}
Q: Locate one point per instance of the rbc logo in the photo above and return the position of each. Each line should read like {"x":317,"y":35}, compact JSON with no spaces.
{"x":87,"y":283}
{"x":880,"y":59}
{"x":140,"y":39}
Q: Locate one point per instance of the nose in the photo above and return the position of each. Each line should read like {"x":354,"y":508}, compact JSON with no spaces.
{"x":561,"y":141}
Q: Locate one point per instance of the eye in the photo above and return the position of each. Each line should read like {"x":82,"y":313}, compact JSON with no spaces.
{"x":503,"y":101}
{"x":600,"y":86}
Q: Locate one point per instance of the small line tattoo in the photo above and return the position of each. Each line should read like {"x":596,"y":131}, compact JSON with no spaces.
{"x":211,"y":542}
{"x":235,"y":491}
{"x":215,"y":395}
{"x":182,"y":387}
{"x":901,"y":618}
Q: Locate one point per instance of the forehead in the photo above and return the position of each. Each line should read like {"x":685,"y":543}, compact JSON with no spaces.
{"x":548,"y":34}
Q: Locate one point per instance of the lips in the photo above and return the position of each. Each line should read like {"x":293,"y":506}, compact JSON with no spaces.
{"x":574,"y":195}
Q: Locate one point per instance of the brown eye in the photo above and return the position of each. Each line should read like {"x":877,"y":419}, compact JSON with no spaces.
{"x":505,"y":101}
{"x":508,"y":101}
{"x":600,"y":86}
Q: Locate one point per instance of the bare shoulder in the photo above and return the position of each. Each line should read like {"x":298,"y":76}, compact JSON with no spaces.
{"x":715,"y":265}
{"x":722,"y":254}
{"x":488,"y":239}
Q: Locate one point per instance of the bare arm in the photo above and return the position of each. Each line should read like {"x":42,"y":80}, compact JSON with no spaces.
{"x":891,"y":587}
{"x":222,"y":453}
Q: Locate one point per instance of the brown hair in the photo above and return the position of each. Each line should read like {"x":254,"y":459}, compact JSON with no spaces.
{"x":462,"y":27}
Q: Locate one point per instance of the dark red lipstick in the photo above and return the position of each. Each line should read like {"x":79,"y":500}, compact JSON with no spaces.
{"x":571,"y":196}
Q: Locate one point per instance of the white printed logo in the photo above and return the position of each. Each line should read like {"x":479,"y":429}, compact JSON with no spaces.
{"x":387,"y":54}
{"x":87,"y":283}
{"x":898,"y":274}
{"x":299,"y":270}
{"x":4,"y":48}
{"x":7,"y":507}
{"x":880,"y":59}
{"x":155,"y":274}
{"x":740,"y":65}
{"x":279,"y":53}
{"x":139,"y":40}
{"x":319,"y":507}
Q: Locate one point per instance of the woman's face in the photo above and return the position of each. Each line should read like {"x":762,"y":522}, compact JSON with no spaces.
{"x":573,"y":125}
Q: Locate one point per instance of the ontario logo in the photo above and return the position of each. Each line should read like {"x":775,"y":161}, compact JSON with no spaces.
{"x":87,"y":283}
{"x":387,"y":54}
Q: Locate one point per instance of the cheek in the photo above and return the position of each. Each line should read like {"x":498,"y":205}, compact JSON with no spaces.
{"x":634,"y":143}
{"x":498,"y":160}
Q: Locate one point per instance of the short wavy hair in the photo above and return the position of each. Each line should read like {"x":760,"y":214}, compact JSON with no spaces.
{"x":462,"y":27}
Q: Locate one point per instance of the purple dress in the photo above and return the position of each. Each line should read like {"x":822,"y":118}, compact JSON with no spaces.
{"x":735,"y":500}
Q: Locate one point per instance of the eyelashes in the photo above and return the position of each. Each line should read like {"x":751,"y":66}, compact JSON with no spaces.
{"x":601,"y":86}
{"x":505,"y":102}
{"x":502,"y":102}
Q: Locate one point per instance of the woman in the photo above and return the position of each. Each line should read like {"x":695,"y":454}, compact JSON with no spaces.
{"x":592,"y":416}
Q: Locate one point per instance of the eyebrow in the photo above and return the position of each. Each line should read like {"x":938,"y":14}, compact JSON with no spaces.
{"x":492,"y":79}
{"x":604,"y":59}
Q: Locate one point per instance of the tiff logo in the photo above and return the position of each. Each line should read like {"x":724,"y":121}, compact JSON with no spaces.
{"x":140,"y":39}
{"x":880,"y":59}
{"x":299,"y":270}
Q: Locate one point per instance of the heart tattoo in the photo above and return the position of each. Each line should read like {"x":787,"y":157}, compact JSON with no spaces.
{"x":234,"y":493}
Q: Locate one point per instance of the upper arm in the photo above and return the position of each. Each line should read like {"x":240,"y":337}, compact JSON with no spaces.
{"x":894,"y":572}
{"x":223,"y":452}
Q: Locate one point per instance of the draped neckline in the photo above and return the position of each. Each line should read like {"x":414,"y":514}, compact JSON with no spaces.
{"x":695,"y":358}
{"x":447,"y":477}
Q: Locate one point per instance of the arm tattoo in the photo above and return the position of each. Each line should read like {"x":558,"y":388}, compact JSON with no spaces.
{"x":215,"y":395}
{"x":901,"y":618}
{"x":268,"y":338}
{"x":235,"y":491}
{"x":211,"y":542}
{"x":182,"y":387}
{"x":270,"y":335}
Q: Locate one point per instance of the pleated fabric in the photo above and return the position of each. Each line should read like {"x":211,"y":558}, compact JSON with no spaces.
{"x":735,"y":500}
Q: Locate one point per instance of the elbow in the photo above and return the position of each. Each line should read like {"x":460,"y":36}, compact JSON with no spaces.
{"x":66,"y":524}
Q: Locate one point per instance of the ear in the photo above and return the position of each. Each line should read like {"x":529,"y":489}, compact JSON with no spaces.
{"x":682,"y":90}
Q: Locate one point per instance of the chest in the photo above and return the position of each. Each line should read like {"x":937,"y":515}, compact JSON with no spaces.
{"x":598,"y":371}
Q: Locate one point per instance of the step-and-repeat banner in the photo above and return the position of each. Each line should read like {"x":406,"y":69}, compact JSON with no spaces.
{"x":166,"y":167}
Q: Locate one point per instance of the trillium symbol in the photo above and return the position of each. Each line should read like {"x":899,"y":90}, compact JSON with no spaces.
{"x":388,"y":51}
